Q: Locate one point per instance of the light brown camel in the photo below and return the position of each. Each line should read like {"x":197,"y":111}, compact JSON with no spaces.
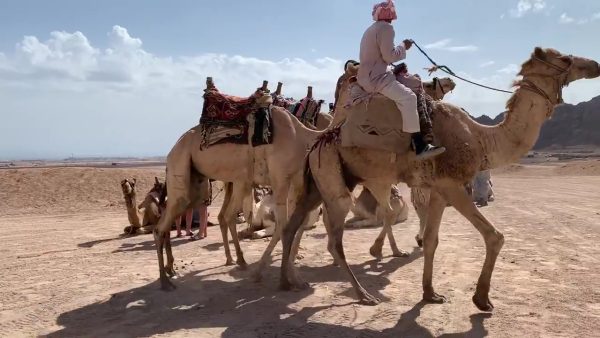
{"x":150,"y":206}
{"x":129,"y":195}
{"x":245,"y":200}
{"x":471,"y":147}
{"x":274,"y":165}
{"x":364,"y":209}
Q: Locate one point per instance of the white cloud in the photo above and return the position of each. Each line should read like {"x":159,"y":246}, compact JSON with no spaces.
{"x":88,"y":100}
{"x":445,"y":45}
{"x":565,"y":19}
{"x":525,"y":7}
{"x":596,"y":16}
{"x":510,"y":69}
{"x":487,"y":64}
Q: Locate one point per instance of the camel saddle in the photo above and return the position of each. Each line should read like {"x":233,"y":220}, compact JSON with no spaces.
{"x":306,"y":110}
{"x":232,"y":119}
{"x":374,"y":122}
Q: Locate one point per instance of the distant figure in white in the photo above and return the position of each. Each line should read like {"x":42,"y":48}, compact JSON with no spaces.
{"x":482,"y":188}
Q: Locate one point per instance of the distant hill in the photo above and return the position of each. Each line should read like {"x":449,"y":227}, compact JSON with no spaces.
{"x":571,"y":125}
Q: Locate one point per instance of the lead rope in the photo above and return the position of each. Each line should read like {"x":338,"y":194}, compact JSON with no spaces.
{"x":448,"y":71}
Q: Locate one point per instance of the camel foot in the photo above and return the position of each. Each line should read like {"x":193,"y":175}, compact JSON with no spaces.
{"x":229,"y":262}
{"x":242,"y":263}
{"x":483,"y":303}
{"x":376,"y":251}
{"x":419,"y":241}
{"x":166,"y":284}
{"x":432,"y":297}
{"x":256,"y":277}
{"x":300,"y":286}
{"x":400,"y":253}
{"x":285,"y":285}
{"x":368,"y":299}
{"x":169,"y":270}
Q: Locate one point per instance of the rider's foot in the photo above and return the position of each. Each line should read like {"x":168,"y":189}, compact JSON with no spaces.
{"x":424,"y":150}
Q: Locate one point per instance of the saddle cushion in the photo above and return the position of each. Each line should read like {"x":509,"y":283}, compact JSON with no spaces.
{"x":226,"y":108}
{"x":225,"y":119}
{"x":374,"y":122}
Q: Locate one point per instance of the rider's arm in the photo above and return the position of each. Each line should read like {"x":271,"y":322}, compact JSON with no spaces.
{"x":386,"y":44}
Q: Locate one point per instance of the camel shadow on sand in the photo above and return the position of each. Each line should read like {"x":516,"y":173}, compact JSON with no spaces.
{"x":243,"y":308}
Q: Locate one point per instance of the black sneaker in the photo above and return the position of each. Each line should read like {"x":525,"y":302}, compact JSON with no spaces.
{"x":425,"y":150}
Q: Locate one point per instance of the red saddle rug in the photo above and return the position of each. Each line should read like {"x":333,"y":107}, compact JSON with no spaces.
{"x":224,"y":119}
{"x":226,"y":108}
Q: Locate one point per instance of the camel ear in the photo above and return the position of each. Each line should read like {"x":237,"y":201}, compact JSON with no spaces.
{"x":156,"y":180}
{"x":539,"y":53}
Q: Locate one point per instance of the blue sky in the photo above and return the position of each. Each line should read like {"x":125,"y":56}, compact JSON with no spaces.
{"x":121,"y":78}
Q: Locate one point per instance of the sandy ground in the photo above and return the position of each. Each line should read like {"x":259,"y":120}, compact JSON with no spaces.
{"x":66,"y":271}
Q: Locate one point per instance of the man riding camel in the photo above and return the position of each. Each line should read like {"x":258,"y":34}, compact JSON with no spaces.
{"x":377,"y":52}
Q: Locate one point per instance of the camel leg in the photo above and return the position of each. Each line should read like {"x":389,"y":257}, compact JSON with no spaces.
{"x":223,"y":221}
{"x":494,"y":240}
{"x":382,"y":194}
{"x":240,"y":194}
{"x":337,"y":199}
{"x":420,"y":200}
{"x":330,"y":239}
{"x":435,"y":210}
{"x":337,"y":213}
{"x":175,"y":206}
{"x":292,"y":234}
{"x":280,"y":195}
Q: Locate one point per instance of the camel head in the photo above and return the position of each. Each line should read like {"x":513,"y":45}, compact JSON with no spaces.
{"x":158,"y":186}
{"x":128,"y":187}
{"x":438,"y":88}
{"x":550,"y":63}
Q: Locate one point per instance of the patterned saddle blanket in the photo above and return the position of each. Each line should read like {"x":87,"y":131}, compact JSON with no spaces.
{"x":379,"y":129}
{"x":306,"y":110}
{"x":232,"y":119}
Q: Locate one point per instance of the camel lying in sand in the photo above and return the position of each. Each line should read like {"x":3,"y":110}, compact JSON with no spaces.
{"x":150,"y":206}
{"x":470,"y":148}
{"x":263,"y":220}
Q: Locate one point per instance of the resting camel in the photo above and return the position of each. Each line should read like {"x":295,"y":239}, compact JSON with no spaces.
{"x":471,"y":147}
{"x":263,"y":219}
{"x":150,"y":206}
{"x":275,"y":165}
{"x":364,"y":209}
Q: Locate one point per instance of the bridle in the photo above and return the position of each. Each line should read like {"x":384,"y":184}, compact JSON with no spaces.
{"x":436,"y":82}
{"x":560,"y":78}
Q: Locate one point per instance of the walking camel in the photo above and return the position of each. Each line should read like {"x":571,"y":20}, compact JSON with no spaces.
{"x":275,"y":165}
{"x":471,"y":147}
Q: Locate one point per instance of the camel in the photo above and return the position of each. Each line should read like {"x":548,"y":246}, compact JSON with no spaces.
{"x":276,"y":165}
{"x":150,"y":205}
{"x":263,"y":220}
{"x":364,"y":208}
{"x":471,"y":147}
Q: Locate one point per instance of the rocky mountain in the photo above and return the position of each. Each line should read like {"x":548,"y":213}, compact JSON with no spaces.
{"x":570,"y":125}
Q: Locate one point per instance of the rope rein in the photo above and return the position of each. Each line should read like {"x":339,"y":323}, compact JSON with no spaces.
{"x":448,"y":71}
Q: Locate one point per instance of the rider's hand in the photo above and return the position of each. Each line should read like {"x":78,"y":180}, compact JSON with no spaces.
{"x":407,"y":44}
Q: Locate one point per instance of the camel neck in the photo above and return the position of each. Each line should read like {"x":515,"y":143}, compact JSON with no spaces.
{"x":528,"y":109}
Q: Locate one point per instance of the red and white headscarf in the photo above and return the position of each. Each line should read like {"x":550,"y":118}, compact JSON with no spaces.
{"x":384,"y":11}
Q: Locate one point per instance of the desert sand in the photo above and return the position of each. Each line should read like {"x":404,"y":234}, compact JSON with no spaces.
{"x":68,"y":272}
